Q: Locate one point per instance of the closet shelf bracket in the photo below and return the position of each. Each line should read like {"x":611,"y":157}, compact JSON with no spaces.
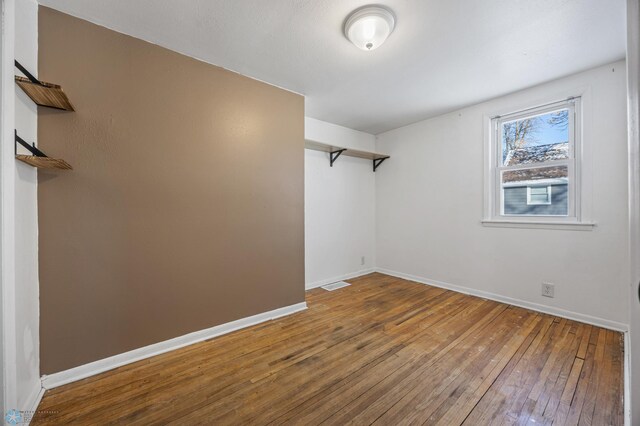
{"x":333,"y":155}
{"x":377,"y":162}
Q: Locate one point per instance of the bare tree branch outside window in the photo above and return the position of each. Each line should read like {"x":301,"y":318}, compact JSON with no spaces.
{"x":521,"y":133}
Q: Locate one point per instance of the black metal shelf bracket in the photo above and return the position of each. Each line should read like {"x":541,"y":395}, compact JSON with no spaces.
{"x":30,"y":76}
{"x":333,"y":155}
{"x":32,"y":148}
{"x":377,"y":162}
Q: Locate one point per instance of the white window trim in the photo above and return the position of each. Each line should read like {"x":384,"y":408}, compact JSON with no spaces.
{"x":572,"y":163}
{"x":581,"y":220}
{"x":535,"y":203}
{"x":568,"y":226}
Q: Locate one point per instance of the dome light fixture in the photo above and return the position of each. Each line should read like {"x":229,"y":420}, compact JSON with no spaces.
{"x":369,"y":26}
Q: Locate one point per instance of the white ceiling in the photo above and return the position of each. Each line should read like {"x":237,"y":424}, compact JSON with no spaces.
{"x":443,"y":54}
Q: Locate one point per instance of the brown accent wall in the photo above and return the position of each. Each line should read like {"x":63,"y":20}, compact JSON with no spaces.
{"x":185,"y":208}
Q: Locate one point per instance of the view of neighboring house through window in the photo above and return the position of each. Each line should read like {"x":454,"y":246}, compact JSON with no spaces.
{"x":535,"y":170}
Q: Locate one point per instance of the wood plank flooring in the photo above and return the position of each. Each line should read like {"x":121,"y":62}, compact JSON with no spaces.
{"x":382,"y":351}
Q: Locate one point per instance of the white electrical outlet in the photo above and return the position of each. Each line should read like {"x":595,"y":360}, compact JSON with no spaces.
{"x":548,"y":289}
{"x":362,"y":260}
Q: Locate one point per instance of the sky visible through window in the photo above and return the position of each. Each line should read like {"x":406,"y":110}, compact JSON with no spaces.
{"x":546,"y":129}
{"x":550,"y":133}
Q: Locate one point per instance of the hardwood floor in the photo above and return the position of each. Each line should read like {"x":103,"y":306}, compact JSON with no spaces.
{"x":384,"y":351}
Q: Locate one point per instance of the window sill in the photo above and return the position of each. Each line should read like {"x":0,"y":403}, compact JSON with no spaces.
{"x":570,"y":226}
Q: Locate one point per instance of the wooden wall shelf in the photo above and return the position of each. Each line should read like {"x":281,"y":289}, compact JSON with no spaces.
{"x":44,"y":162}
{"x":38,"y":158}
{"x":335,"y":151}
{"x":42,"y":93}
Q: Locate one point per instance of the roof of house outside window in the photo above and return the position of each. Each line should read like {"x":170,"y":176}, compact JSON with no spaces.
{"x":535,"y":155}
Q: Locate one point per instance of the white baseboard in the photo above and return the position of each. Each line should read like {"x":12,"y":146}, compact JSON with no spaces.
{"x":106,"y":364}
{"x":34,"y":402}
{"x":309,"y":286}
{"x":588,"y":319}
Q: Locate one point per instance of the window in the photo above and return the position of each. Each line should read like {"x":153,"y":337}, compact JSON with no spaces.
{"x":538,"y":195}
{"x":535,"y":163}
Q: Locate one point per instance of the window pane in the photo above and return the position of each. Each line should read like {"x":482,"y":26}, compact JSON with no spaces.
{"x":525,"y":191}
{"x":541,"y":190}
{"x":539,"y":199}
{"x":536,"y":139}
{"x":539,"y":195}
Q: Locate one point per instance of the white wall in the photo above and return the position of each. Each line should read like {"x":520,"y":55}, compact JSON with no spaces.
{"x":633,"y":67}
{"x":7,"y":393}
{"x":339,"y":206}
{"x":19,"y":224}
{"x":429,"y":204}
{"x":26,"y":227}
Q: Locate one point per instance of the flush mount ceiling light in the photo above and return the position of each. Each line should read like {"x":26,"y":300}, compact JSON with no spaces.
{"x":369,"y":26}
